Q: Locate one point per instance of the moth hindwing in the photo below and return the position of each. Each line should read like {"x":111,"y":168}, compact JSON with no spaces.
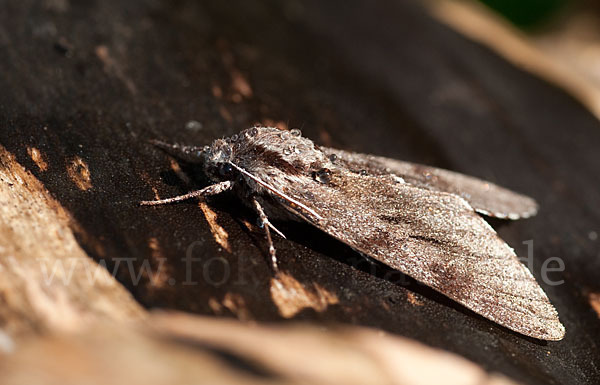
{"x":420,"y":220}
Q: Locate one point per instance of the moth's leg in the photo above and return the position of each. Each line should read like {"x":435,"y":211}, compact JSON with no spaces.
{"x":207,"y":191}
{"x":267,"y":226}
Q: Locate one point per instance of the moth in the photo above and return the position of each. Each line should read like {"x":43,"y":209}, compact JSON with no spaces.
{"x":420,"y":220}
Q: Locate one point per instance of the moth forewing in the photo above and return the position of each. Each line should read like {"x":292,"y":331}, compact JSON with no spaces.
{"x":485,"y":197}
{"x":438,"y":239}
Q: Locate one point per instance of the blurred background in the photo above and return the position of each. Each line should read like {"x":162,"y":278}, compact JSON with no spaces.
{"x":556,"y":39}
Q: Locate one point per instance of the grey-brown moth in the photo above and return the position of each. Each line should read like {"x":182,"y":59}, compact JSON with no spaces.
{"x":420,"y":220}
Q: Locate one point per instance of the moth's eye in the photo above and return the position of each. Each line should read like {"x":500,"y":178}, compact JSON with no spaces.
{"x":225,"y":169}
{"x":323,"y":175}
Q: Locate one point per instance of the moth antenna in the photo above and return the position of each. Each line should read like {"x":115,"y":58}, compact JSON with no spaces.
{"x":187,"y":153}
{"x":275,"y":191}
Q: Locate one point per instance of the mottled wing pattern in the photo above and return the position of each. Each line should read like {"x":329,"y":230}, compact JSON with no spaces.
{"x":485,"y":197}
{"x":436,"y":238}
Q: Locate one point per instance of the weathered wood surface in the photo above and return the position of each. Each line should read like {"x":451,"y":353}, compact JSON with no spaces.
{"x":86,"y":84}
{"x":183,"y":349}
{"x":48,"y":282}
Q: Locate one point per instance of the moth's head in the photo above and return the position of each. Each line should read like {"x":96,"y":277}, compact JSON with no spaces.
{"x":217,"y":160}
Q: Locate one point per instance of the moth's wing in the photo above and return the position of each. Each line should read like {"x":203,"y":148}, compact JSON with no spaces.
{"x":485,"y":197}
{"x":436,"y":238}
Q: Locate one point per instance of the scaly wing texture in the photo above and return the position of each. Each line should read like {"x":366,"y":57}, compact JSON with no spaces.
{"x":436,"y":238}
{"x":485,"y":197}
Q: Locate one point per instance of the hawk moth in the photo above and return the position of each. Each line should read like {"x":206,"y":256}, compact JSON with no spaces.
{"x":420,"y":220}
